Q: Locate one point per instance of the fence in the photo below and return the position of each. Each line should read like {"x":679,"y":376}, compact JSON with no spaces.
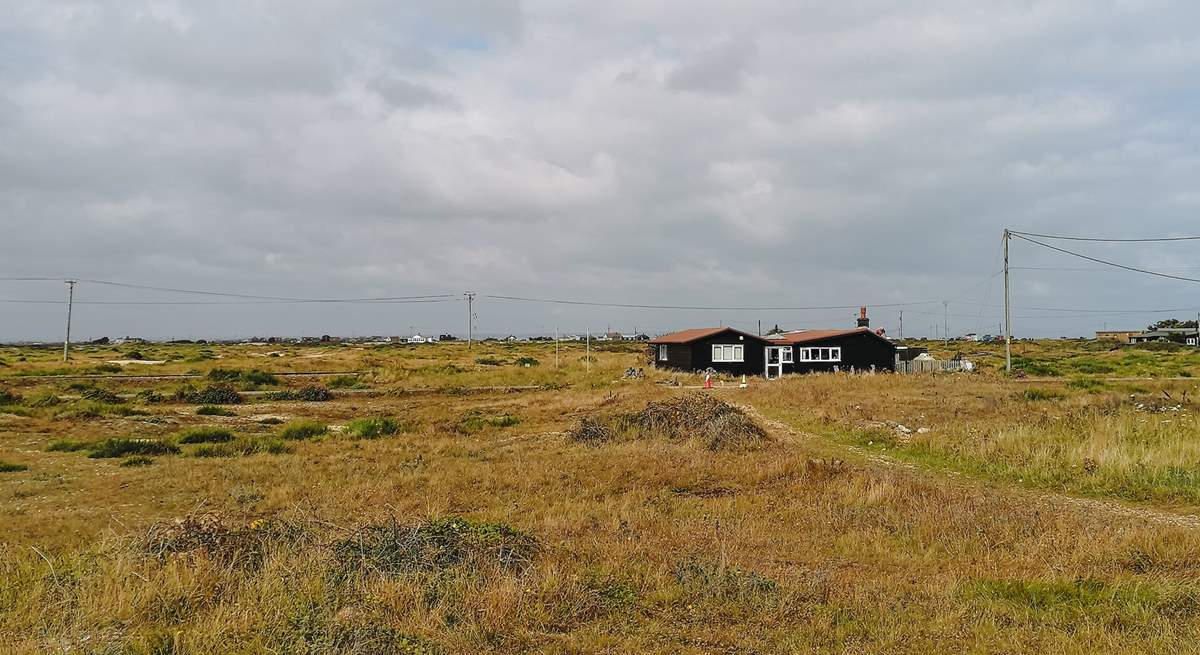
{"x":930,"y":365}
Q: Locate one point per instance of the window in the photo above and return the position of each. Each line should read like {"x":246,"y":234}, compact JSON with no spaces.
{"x":722,"y":353}
{"x":785,"y":354}
{"x":820,"y":354}
{"x":662,"y":352}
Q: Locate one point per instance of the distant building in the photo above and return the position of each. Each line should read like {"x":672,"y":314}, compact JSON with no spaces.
{"x":1121,"y":336}
{"x":1187,"y":336}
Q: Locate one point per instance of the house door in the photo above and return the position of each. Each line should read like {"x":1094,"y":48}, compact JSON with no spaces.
{"x":774,"y":362}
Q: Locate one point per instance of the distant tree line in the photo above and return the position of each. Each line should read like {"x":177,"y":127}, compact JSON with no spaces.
{"x":1171,"y":323}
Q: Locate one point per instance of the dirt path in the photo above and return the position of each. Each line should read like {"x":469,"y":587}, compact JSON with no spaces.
{"x":1048,"y":499}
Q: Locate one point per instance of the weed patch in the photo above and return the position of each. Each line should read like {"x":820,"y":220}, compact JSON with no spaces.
{"x":298,"y":430}
{"x":372,"y":428}
{"x":111,"y":448}
{"x":436,"y":544}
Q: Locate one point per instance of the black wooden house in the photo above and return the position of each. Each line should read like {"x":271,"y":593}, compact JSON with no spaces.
{"x":802,"y":351}
{"x":723,"y":349}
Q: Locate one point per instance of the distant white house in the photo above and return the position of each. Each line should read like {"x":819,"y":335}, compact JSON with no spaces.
{"x":417,"y":338}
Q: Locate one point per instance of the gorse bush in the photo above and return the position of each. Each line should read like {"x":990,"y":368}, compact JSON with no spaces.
{"x":372,"y":428}
{"x":204,"y":435}
{"x":299,"y":430}
{"x":110,"y":448}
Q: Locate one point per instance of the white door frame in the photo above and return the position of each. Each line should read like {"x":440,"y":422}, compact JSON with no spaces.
{"x":778,"y":365}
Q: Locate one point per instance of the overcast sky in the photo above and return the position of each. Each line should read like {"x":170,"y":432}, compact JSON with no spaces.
{"x":756,"y":153}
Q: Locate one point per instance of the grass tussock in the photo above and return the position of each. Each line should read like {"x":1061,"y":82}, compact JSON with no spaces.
{"x":204,"y":435}
{"x":435,"y":544}
{"x":10,"y":467}
{"x":250,"y":379}
{"x":213,"y":410}
{"x":113,"y":448}
{"x":300,"y":430}
{"x":68,"y":446}
{"x":309,"y":394}
{"x":242,"y":447}
{"x":701,"y":417}
{"x":373,"y":428}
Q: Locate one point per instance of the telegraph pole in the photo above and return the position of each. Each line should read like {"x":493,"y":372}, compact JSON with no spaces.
{"x":1007,"y":314}
{"x":70,"y":304}
{"x":470,"y":318}
{"x":946,"y":321}
{"x":902,"y":325}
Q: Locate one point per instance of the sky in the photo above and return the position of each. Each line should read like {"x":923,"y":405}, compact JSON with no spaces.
{"x":782,"y":154}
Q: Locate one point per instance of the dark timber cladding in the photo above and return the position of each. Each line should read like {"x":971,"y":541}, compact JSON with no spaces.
{"x":859,"y":349}
{"x":724,"y":349}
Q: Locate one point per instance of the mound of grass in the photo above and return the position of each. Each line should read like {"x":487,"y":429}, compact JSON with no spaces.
{"x":150,"y":396}
{"x":204,"y":435}
{"x":475,"y":421}
{"x":591,"y":432}
{"x":253,"y":377}
{"x":228,"y":541}
{"x":526,"y":361}
{"x":270,"y":420}
{"x":299,"y":430}
{"x":241,"y":447}
{"x":372,"y":428}
{"x":312,"y":394}
{"x":345,"y":382}
{"x":721,"y":425}
{"x":436,"y":544}
{"x":213,"y":394}
{"x":110,"y":448}
{"x":100,"y":395}
{"x":489,"y":361}
{"x":138,"y":460}
{"x":67,"y":446}
{"x":9,"y":467}
{"x":213,"y":410}
{"x":723,"y":583}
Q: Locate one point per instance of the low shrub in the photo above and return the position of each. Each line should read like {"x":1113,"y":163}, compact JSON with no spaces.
{"x":526,"y":361}
{"x":345,"y":382}
{"x":372,"y":428}
{"x":312,"y":394}
{"x":150,"y":396}
{"x":270,"y":420}
{"x":253,"y":377}
{"x":213,"y":394}
{"x":591,"y":432}
{"x":9,"y":467}
{"x":9,"y":397}
{"x":110,"y":448}
{"x":213,"y":410}
{"x":45,"y":398}
{"x":298,"y":430}
{"x":99,"y":395}
{"x":489,"y":361}
{"x":139,"y":460}
{"x":204,"y":435}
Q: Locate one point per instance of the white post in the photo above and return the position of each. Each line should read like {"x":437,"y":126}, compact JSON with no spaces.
{"x":70,"y":304}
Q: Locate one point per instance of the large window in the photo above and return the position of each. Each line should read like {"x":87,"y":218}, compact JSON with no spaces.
{"x":662,"y":352}
{"x":727,"y":353}
{"x":821,"y":354}
{"x":785,"y":354}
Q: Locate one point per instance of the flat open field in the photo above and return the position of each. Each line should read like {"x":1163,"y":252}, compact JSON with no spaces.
{"x":427,"y":499}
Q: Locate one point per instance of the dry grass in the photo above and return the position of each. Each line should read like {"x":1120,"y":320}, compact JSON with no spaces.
{"x":512,"y":538}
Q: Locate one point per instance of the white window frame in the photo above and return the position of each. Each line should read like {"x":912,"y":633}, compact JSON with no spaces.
{"x":821,"y":354}
{"x":662,"y":352}
{"x":728,"y":353}
{"x":785,"y":355}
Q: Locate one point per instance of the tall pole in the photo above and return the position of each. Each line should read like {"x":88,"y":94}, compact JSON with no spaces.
{"x":902,"y":325}
{"x":70,"y":304}
{"x":946,"y":321}
{"x":587,"y":356}
{"x":470,"y":319}
{"x":555,"y":346}
{"x":1007,"y":314}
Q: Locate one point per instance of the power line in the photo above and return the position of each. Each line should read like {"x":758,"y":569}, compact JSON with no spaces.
{"x":1103,"y":239}
{"x":218,"y":302}
{"x":556,"y":301}
{"x":1106,"y":262}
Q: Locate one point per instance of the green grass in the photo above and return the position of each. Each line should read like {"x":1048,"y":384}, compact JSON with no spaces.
{"x":68,"y":446}
{"x":242,"y":446}
{"x":1135,"y":600}
{"x":9,"y":467}
{"x":213,"y":410}
{"x":1036,"y":394}
{"x":111,"y":448}
{"x":372,"y":428}
{"x":204,"y":435}
{"x":138,"y":460}
{"x":299,"y":430}
{"x":474,"y":422}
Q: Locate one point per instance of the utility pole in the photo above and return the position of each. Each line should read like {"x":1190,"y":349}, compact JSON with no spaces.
{"x":1007,"y":314}
{"x":470,"y":318}
{"x":70,"y":304}
{"x":587,"y":353}
{"x":556,"y":347}
{"x":946,"y":321}
{"x":902,"y":325}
